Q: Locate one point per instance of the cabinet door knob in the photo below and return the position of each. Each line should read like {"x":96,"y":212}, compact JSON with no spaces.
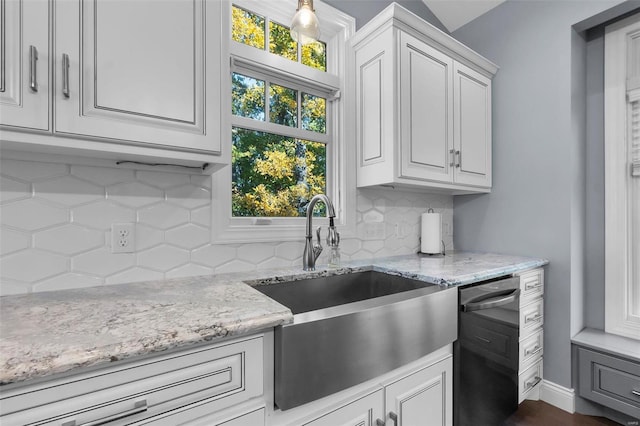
{"x":393,"y":416}
{"x":33,"y":71}
{"x":65,"y":75}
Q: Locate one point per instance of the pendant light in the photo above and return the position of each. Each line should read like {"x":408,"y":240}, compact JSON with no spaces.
{"x":305,"y":28}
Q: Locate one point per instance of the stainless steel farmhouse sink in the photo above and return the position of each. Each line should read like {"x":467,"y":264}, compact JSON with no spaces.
{"x":351,"y":328}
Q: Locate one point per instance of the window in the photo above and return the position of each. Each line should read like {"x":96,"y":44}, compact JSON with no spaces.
{"x":283,"y":131}
{"x":622,"y":177}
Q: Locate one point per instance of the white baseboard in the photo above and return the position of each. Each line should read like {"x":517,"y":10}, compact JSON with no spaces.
{"x":558,"y":396}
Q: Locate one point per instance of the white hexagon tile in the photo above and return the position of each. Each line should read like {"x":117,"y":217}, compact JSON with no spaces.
{"x":56,"y":227}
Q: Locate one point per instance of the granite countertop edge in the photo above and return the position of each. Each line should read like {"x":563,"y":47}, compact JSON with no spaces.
{"x":60,"y":331}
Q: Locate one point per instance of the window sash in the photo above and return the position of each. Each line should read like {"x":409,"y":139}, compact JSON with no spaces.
{"x":337,"y":28}
{"x":279,"y":129}
{"x":622,"y":191}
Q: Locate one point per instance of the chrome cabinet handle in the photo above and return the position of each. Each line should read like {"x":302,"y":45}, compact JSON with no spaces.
{"x":459,"y":154}
{"x":533,"y":350}
{"x":65,"y":75}
{"x":530,"y":287}
{"x":533,"y":383}
{"x":379,"y":422}
{"x":139,"y":407}
{"x":533,"y":318}
{"x":635,"y":392}
{"x":393,"y":416}
{"x":453,"y":158}
{"x":33,"y":71}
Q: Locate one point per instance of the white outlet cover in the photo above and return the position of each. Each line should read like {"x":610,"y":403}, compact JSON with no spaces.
{"x":123,"y":238}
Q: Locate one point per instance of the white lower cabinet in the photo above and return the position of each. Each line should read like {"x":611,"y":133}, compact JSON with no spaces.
{"x":423,"y":398}
{"x":164,"y":390}
{"x":362,"y":412}
{"x":419,"y":396}
{"x":531,"y":334}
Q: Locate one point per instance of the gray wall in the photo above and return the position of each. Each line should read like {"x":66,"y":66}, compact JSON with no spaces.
{"x":364,"y":10}
{"x":538,"y":205}
{"x":594,"y":252}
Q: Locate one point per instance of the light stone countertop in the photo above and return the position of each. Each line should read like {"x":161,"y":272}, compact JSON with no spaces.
{"x":47,"y":333}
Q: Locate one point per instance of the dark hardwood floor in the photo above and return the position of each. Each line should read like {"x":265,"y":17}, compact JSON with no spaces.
{"x":538,"y":413}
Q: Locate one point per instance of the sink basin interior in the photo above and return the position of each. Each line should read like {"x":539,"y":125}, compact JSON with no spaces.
{"x":324,"y":292}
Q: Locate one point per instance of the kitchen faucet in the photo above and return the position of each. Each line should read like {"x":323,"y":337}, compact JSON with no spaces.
{"x":312,"y":251}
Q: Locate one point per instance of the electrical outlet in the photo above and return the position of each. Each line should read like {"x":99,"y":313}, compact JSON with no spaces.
{"x":123,"y":238}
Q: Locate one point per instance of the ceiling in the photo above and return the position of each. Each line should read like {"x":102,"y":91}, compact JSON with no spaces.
{"x":455,"y":13}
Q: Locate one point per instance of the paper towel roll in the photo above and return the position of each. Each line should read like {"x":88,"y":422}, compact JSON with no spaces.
{"x":431,"y":233}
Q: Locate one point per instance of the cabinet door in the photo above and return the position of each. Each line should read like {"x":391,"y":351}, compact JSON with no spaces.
{"x":362,"y":412}
{"x":136,"y":71}
{"x":426,"y":111}
{"x":24,"y":72}
{"x":472,"y":119}
{"x":423,"y":398}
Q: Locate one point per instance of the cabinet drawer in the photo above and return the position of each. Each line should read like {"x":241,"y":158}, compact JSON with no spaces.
{"x":529,"y":381}
{"x":488,"y":338}
{"x":610,"y":381}
{"x":531,"y":349}
{"x":531,"y":317}
{"x":531,"y":285}
{"x":225,"y":374}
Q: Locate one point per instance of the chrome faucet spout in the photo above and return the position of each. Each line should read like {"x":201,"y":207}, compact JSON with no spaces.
{"x":312,"y":251}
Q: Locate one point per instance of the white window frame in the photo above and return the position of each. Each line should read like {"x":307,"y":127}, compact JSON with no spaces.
{"x":622,"y":88}
{"x":336,"y":29}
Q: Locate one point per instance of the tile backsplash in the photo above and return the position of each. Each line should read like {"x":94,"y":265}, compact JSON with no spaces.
{"x":56,"y":227}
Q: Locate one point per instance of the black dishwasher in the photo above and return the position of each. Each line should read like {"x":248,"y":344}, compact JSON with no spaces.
{"x":486,"y":353}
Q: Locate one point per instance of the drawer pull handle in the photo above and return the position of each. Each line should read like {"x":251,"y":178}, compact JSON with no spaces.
{"x":393,"y":416}
{"x":533,"y":350}
{"x":65,"y":75}
{"x":533,"y":318}
{"x":139,"y":407}
{"x":531,"y":287}
{"x":33,"y":70}
{"x":532,"y":383}
{"x":483,"y":339}
{"x":635,"y":392}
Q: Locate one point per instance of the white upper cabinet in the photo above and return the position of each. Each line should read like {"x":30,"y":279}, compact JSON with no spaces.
{"x":472,"y":127}
{"x":423,"y":107}
{"x":24,"y":74}
{"x":131,"y":80}
{"x":137,"y":71}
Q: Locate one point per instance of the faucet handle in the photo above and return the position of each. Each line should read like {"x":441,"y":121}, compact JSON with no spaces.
{"x":318,"y":236}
